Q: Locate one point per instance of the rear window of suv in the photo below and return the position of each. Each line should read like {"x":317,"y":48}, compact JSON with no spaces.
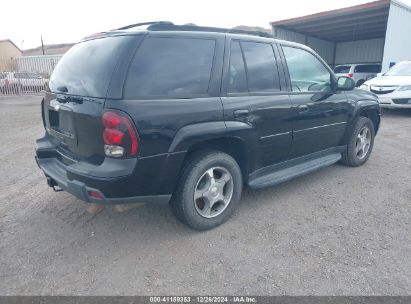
{"x":367,"y":68}
{"x":87,"y":67}
{"x":171,"y":67}
{"x":342,"y":69}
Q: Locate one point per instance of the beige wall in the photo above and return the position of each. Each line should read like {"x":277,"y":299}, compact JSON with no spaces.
{"x":8,"y":54}
{"x":8,"y":50}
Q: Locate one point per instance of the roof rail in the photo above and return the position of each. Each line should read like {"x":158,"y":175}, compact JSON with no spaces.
{"x":169,"y":26}
{"x":141,"y":24}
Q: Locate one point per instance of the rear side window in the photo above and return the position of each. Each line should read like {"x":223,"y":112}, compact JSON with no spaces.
{"x":238,"y":78}
{"x":342,"y":69}
{"x":367,"y":68}
{"x":262,"y":73}
{"x":171,"y":67}
{"x":87,"y":67}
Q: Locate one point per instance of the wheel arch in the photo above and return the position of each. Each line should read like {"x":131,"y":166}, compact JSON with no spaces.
{"x":364,"y":108}
{"x":372,"y":112}
{"x":233,"y":146}
{"x":234,"y":138}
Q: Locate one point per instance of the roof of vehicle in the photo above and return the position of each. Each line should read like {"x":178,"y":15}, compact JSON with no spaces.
{"x":171,"y":28}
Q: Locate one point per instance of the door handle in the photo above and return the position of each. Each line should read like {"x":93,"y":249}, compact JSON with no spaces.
{"x":302,"y":108}
{"x":241,"y":113}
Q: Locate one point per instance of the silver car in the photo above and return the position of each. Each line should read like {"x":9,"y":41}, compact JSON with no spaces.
{"x":360,"y":73}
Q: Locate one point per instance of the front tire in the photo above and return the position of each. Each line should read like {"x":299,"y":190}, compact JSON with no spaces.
{"x":209,"y":190}
{"x":360,"y":143}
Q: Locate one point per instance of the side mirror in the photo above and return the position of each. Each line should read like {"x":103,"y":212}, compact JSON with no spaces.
{"x":345,"y":83}
{"x":379,"y":74}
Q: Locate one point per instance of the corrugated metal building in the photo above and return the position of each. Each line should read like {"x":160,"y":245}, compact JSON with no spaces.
{"x":373,"y":32}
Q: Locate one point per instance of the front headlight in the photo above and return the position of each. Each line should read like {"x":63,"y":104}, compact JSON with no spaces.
{"x":364,"y":87}
{"x":404,"y":88}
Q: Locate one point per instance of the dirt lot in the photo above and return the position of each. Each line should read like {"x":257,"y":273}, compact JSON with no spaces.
{"x":337,"y":231}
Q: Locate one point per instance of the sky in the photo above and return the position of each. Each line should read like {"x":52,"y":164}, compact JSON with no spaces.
{"x":66,"y":21}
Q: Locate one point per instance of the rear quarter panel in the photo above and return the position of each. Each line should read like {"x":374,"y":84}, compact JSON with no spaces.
{"x":158,"y":120}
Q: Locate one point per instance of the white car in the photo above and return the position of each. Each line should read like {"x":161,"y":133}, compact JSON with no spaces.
{"x":360,"y":73}
{"x":8,"y":83}
{"x":16,"y":82}
{"x":30,"y":81}
{"x":393,"y":87}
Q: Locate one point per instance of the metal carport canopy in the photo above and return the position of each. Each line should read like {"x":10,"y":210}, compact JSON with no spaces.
{"x":360,"y":22}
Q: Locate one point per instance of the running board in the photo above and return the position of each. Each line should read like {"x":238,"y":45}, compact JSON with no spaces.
{"x":275,"y":177}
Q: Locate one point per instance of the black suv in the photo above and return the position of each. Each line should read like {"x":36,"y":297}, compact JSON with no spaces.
{"x":188,"y":115}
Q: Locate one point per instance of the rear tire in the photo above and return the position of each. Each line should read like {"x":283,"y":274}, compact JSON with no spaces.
{"x":360,"y":143}
{"x":208,"y":191}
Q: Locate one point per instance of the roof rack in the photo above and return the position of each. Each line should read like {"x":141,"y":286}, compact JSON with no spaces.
{"x":169,"y":26}
{"x":141,"y":24}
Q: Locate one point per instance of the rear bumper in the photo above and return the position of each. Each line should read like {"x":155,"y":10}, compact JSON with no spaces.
{"x":54,"y":170}
{"x":116,"y":181}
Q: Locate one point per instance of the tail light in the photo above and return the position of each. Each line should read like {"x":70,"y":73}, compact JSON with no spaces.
{"x":350,"y":75}
{"x":120,"y":138}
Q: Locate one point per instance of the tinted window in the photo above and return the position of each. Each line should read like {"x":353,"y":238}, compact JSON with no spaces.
{"x":367,"y":68}
{"x":342,"y":69}
{"x":307,"y":73}
{"x":238,"y":79}
{"x":87,"y":67}
{"x":262,"y":71}
{"x":171,"y":67}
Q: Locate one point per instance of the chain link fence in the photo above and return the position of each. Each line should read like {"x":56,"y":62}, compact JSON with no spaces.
{"x":26,"y":75}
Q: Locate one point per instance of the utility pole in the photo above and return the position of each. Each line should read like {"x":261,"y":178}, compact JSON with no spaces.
{"x":42,"y":45}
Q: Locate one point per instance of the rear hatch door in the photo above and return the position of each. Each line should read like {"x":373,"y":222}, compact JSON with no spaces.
{"x":74,"y":103}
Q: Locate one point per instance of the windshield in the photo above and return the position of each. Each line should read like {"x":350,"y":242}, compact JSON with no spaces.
{"x":342,"y":69}
{"x":401,"y":69}
{"x":87,"y":67}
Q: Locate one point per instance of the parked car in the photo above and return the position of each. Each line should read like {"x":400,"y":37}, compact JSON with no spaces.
{"x":393,"y":87}
{"x":3,"y":80}
{"x":360,"y":73}
{"x":7,"y":83}
{"x":17,"y":82}
{"x":188,"y":115}
{"x":29,"y":81}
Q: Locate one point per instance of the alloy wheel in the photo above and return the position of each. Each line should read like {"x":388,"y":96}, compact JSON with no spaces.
{"x":213,"y":192}
{"x":363,"y":143}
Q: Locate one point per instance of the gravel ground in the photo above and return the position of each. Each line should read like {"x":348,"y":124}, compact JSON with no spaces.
{"x":339,"y":231}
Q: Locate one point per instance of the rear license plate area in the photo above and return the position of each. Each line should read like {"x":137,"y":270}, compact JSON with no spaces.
{"x":54,"y":119}
{"x":62,"y":122}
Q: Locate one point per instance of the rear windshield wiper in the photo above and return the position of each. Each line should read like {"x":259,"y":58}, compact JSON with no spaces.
{"x":62,"y":89}
{"x":75,"y":99}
